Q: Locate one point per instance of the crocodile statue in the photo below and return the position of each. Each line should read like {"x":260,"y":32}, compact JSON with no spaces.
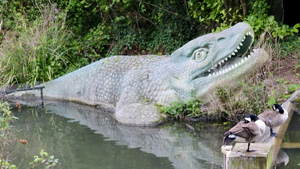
{"x":131,"y":85}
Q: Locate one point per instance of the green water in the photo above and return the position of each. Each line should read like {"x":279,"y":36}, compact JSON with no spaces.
{"x":85,"y":138}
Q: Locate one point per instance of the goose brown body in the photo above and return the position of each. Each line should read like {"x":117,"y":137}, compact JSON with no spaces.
{"x":247,"y":132}
{"x":274,"y":118}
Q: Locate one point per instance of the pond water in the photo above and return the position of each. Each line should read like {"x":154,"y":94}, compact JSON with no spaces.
{"x":82,"y":137}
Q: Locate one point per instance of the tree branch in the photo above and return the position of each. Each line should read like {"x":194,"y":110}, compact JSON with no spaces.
{"x":244,"y":6}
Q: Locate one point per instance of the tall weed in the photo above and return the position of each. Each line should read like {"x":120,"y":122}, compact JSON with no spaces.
{"x":35,"y":50}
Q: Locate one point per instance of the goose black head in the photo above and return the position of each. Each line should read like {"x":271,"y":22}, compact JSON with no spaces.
{"x":277,"y":107}
{"x":250,"y":117}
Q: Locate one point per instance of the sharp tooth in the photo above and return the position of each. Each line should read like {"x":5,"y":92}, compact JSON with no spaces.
{"x":209,"y":70}
{"x":241,"y":44}
{"x":238,"y":47}
{"x":225,"y":59}
{"x":235,"y":51}
{"x":235,"y":65}
{"x":229,"y":56}
{"x":222,"y":61}
{"x":233,"y":54}
{"x":242,"y":60}
{"x":247,"y":33}
{"x":216,"y":65}
{"x":209,"y":75}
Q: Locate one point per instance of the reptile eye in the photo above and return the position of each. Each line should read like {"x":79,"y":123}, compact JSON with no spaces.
{"x":200,"y":55}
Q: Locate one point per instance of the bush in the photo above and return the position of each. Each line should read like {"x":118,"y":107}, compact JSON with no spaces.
{"x":182,"y":111}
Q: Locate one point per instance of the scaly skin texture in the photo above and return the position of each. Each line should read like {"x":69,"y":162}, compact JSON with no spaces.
{"x":133,"y":84}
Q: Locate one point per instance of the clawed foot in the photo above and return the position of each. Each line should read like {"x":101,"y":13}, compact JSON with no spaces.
{"x":273,"y":135}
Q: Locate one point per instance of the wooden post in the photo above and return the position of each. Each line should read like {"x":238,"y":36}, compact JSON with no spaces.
{"x":261,"y":158}
{"x":226,"y":151}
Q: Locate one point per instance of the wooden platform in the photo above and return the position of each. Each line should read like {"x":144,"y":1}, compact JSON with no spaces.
{"x":261,"y":158}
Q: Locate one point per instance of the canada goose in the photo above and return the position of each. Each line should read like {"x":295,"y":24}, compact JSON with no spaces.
{"x":274,"y":118}
{"x":246,"y":131}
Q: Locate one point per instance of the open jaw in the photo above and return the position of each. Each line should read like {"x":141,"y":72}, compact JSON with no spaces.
{"x":230,"y":62}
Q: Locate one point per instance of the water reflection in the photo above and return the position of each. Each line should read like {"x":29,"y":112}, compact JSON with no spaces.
{"x":114,"y":145}
{"x":281,"y":160}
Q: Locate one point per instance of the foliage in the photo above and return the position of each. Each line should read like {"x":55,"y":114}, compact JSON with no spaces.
{"x":222,"y":14}
{"x":132,"y":26}
{"x":292,"y":88}
{"x":287,"y":88}
{"x":43,"y":158}
{"x":261,"y":22}
{"x":290,"y":46}
{"x":181,"y":110}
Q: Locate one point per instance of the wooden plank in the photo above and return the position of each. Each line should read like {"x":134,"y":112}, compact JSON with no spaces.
{"x":290,"y":145}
